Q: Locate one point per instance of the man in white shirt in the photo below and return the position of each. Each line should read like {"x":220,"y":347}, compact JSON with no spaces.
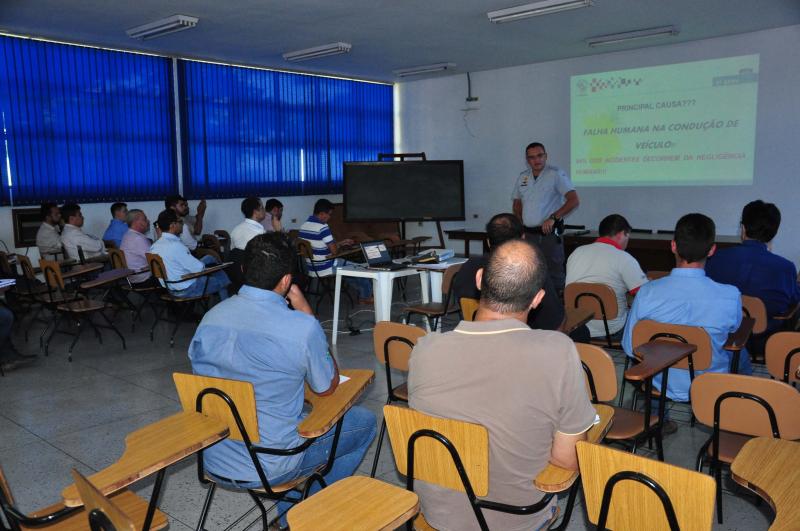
{"x":251,"y":227}
{"x":606,"y":262}
{"x":73,"y":236}
{"x":48,"y":237}
{"x":274,"y":213}
{"x":192,"y":225}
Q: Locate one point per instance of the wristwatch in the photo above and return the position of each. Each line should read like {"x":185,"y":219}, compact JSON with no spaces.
{"x":555,"y":218}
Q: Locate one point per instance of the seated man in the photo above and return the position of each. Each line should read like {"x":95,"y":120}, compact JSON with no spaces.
{"x":118,"y":226}
{"x":549,"y":315}
{"x":606,"y":262}
{"x":251,"y":227}
{"x":255,"y":336}
{"x":688,"y":297}
{"x":316,"y":232}
{"x":48,"y":237}
{"x":73,"y":236}
{"x":272,"y":221}
{"x":192,"y":225}
{"x":525,"y":386}
{"x":135,"y":244}
{"x":753,"y":268}
{"x":179,"y":261}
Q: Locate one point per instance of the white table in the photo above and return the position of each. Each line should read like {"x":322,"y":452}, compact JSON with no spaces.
{"x":382,"y":284}
{"x":435,"y":274}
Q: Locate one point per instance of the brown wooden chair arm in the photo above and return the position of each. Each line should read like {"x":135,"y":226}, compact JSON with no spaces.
{"x":738,"y":339}
{"x":789,"y":314}
{"x":344,"y":252}
{"x":206,"y":271}
{"x":657,"y":356}
{"x":81,"y":270}
{"x":106,"y":277}
{"x":327,"y":410}
{"x":574,"y":318}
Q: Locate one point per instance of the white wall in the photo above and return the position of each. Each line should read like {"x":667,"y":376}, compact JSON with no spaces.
{"x":521,"y":104}
{"x":221,"y":214}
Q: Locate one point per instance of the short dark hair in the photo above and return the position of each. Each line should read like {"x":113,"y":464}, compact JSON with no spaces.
{"x":761,"y":220}
{"x":166,"y":218}
{"x":694,"y":237}
{"x":172,"y":200}
{"x":44,"y":210}
{"x":267,"y":259}
{"x":250,"y":205}
{"x":116,"y":207}
{"x":323,"y":205}
{"x":503,"y":227}
{"x":535,"y":145}
{"x":272,"y":203}
{"x":69,"y":209}
{"x":514,"y":272}
{"x":613,"y":224}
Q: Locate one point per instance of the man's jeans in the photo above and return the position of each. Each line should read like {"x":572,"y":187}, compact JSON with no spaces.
{"x":217,"y":282}
{"x":358,"y":432}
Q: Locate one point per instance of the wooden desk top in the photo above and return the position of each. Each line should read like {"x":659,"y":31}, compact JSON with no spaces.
{"x":575,"y":317}
{"x":656,"y":356}
{"x":152,"y":448}
{"x":206,"y":271}
{"x":738,"y":339}
{"x":556,"y":479}
{"x":81,"y":270}
{"x":327,"y":410}
{"x":106,"y":277}
{"x":769,"y":467}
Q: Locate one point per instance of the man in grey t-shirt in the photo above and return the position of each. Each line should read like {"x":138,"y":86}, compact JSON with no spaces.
{"x":525,"y":386}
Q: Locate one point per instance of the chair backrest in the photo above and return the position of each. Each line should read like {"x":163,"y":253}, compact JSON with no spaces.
{"x":202,"y":251}
{"x":449,"y":275}
{"x":156,"y":266}
{"x":754,"y":307}
{"x":385,"y":339}
{"x":27,"y":267}
{"x":110,"y":244}
{"x":5,"y":266}
{"x":81,"y":255}
{"x":647,"y":330}
{"x":601,"y":372}
{"x":241,"y":393}
{"x":117,"y":258}
{"x":469,"y":307}
{"x":597,"y":297}
{"x":96,"y":505}
{"x":782,"y":356}
{"x":52,"y":274}
{"x":223,"y":234}
{"x":211,"y":241}
{"x":304,"y":248}
{"x":634,"y":506}
{"x":745,"y":416}
{"x":432,"y":461}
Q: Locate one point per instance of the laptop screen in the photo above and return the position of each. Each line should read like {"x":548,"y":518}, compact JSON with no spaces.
{"x":375,"y":253}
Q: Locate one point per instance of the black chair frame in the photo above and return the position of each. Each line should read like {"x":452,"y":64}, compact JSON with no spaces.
{"x":98,"y":521}
{"x":627,"y":475}
{"x":590,"y":379}
{"x":787,"y":364}
{"x":181,"y":307}
{"x":715,"y":465}
{"x":391,"y":397}
{"x":149,"y":294}
{"x":15,"y":518}
{"x":476,"y":503}
{"x":254,"y":450}
{"x":434,"y":322}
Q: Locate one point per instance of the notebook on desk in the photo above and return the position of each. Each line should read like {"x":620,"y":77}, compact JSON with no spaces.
{"x":377,"y":256}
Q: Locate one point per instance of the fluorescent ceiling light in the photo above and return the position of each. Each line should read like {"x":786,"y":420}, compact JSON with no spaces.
{"x":334,"y":48}
{"x":425,"y":69}
{"x":616,"y":38}
{"x":543,"y":7}
{"x":163,"y":27}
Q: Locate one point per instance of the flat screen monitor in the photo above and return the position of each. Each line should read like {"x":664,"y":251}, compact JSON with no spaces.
{"x":404,"y":191}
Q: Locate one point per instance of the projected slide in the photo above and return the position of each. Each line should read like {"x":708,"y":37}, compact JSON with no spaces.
{"x":681,"y":124}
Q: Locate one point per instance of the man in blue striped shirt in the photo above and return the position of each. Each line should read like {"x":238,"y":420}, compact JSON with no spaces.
{"x":316,"y":231}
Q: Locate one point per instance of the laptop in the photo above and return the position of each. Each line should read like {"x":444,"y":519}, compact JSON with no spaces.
{"x":377,"y":256}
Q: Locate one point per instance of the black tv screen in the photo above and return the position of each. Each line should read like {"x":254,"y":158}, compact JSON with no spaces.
{"x":404,"y":191}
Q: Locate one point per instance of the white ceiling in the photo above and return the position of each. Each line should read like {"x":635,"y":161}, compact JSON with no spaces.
{"x":385,"y":34}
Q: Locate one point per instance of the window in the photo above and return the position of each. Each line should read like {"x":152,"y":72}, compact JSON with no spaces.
{"x":83,"y":124}
{"x":259,"y":132}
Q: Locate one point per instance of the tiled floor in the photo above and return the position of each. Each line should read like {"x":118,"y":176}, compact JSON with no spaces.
{"x":56,"y":416}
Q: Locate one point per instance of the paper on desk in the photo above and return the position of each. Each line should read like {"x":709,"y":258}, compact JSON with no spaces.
{"x":596,"y":419}
{"x":343,"y":379}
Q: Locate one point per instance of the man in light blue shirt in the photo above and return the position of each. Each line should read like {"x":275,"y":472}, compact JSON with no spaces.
{"x":688,"y":297}
{"x":255,"y":336}
{"x":118,"y":226}
{"x":178,"y":262}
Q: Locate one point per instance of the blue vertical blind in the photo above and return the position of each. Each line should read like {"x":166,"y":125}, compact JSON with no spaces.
{"x":83,"y":124}
{"x":249,"y":131}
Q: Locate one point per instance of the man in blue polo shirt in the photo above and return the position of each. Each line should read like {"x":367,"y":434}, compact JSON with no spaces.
{"x":753,"y":268}
{"x":118,"y":226}
{"x":255,"y":336}
{"x":688,"y":297}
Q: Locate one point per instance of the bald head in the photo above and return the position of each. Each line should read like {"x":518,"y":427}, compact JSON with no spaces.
{"x":515,"y":271}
